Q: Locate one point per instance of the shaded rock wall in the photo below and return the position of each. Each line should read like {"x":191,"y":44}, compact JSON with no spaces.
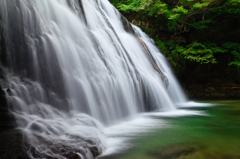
{"x":6,"y":119}
{"x":12,"y":145}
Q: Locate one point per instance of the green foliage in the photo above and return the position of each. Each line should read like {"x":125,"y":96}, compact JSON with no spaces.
{"x":130,"y":5}
{"x":156,"y":9}
{"x":201,"y":24}
{"x":199,"y":5}
{"x":210,"y":25}
{"x":162,"y":47}
{"x":180,"y":10}
{"x":233,"y":2}
{"x":171,"y":25}
{"x":234,"y":49}
{"x":176,"y":60}
{"x":197,"y":52}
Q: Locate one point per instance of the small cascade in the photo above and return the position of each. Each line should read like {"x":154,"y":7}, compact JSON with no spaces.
{"x":72,"y":67}
{"x":174,"y":89}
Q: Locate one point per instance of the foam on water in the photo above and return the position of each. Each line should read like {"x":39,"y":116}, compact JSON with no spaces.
{"x":119,"y":136}
{"x":194,"y":104}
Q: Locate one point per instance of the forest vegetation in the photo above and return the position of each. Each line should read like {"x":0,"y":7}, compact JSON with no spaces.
{"x":200,"y":38}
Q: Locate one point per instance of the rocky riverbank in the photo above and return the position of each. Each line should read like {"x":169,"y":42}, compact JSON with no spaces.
{"x":218,"y":93}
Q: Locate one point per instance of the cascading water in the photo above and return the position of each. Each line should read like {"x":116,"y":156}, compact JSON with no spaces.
{"x":71,"y":63}
{"x":174,"y":90}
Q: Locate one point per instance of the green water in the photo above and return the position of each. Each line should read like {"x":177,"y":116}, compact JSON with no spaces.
{"x":213,"y":136}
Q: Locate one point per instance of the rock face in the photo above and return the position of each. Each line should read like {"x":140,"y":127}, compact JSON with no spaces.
{"x":14,"y":142}
{"x":12,"y":145}
{"x":6,"y":119}
{"x":140,"y":23}
{"x":198,"y":91}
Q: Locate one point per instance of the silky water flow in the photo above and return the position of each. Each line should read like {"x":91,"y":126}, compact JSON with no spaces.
{"x":74,"y":67}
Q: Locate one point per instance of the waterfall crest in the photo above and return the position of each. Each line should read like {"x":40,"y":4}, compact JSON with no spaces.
{"x":69,"y":64}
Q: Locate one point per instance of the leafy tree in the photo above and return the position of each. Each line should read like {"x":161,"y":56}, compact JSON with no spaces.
{"x":210,"y":27}
{"x":234,"y":49}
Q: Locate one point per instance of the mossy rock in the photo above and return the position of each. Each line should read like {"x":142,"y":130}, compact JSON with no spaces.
{"x":189,"y":151}
{"x":174,"y":151}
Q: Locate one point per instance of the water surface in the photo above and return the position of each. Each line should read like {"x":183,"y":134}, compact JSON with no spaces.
{"x":210,"y":132}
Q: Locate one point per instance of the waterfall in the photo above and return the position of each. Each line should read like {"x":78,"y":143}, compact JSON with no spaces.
{"x":72,"y":67}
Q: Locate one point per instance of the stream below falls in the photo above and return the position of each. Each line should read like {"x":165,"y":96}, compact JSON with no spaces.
{"x":194,"y":132}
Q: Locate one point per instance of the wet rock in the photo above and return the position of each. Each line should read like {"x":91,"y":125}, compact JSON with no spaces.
{"x":9,"y":90}
{"x":134,"y":22}
{"x":5,"y":117}
{"x":2,"y":76}
{"x":3,"y":100}
{"x":73,"y":155}
{"x":12,"y":145}
{"x":127,"y":26}
{"x":16,"y":145}
{"x":140,"y":23}
{"x":95,"y":151}
{"x":44,"y":148}
{"x":7,"y":121}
